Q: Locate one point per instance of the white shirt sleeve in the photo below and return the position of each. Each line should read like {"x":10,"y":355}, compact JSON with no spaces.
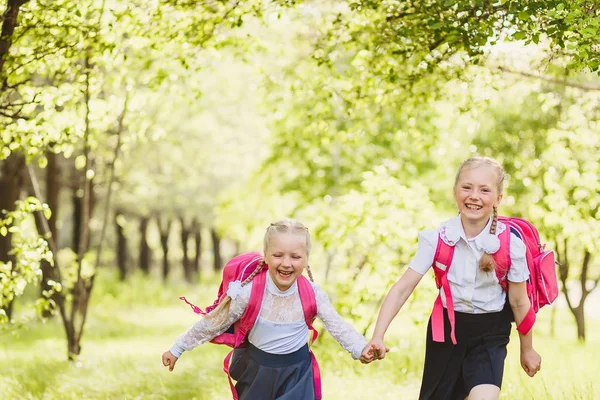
{"x":342,"y":332}
{"x":518,"y":272}
{"x":423,"y":258}
{"x":205,"y":330}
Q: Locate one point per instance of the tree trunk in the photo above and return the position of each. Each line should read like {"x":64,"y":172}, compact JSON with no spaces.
{"x":144,"y":248}
{"x":82,"y":289}
{"x":164,"y":230}
{"x":10,"y":21}
{"x":77,"y":207}
{"x":52,"y":199}
{"x":188,"y":270}
{"x":564,"y":266}
{"x":11,"y":183}
{"x":216,"y":241}
{"x":121,"y":247}
{"x":197,"y":228}
{"x":580,"y":320}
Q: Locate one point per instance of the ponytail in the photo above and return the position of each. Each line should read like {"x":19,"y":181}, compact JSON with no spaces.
{"x":487,"y":263}
{"x":221,"y":312}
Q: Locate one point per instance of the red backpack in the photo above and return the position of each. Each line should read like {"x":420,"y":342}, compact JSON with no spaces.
{"x":238,"y":269}
{"x":542,"y":285}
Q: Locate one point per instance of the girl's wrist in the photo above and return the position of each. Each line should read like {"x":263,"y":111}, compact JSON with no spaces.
{"x":526,"y":347}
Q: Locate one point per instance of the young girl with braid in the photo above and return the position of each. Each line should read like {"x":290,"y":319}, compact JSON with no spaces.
{"x":277,"y":363}
{"x":467,"y":338}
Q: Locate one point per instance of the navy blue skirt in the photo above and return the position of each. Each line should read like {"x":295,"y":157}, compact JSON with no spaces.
{"x":265,"y":376}
{"x":451,"y":371}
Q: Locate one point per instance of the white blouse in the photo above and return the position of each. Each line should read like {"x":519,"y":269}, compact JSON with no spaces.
{"x":280,"y":327}
{"x":473,"y":291}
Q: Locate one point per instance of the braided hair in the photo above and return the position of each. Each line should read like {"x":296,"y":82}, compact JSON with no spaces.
{"x":486,"y":262}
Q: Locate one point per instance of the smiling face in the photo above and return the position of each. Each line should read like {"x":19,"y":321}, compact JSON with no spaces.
{"x":286,"y":256}
{"x":476,"y":193}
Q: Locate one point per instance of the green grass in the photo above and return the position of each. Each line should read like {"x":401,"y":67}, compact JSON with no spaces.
{"x":130,"y":325}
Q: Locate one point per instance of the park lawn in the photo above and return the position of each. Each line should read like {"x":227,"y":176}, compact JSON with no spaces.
{"x":130,"y":325}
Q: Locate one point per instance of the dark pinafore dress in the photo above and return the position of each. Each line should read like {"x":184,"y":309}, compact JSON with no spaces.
{"x":265,"y":376}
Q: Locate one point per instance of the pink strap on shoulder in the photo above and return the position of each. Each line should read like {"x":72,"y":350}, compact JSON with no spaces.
{"x":250,"y":315}
{"x":309,"y":307}
{"x":502,"y":258}
{"x":443,"y":255}
{"x":246,"y":322}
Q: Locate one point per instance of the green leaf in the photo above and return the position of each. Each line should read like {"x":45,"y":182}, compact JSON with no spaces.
{"x":3,"y":231}
{"x":47,"y":212}
{"x":43,"y":162}
{"x":520,"y":35}
{"x":524,"y":16}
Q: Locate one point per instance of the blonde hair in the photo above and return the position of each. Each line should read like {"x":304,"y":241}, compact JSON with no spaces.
{"x":285,"y":225}
{"x":486,"y":263}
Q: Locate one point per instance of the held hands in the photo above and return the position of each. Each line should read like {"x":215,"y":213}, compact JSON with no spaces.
{"x":169,"y":360}
{"x":531,"y":361}
{"x":374,"y":350}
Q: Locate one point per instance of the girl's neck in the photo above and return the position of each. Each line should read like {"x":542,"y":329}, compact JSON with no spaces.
{"x":473,"y":228}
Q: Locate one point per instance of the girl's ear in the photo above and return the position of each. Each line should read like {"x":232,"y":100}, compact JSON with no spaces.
{"x":498,"y":200}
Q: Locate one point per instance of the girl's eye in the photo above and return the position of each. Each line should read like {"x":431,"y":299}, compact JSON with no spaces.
{"x":296,"y":257}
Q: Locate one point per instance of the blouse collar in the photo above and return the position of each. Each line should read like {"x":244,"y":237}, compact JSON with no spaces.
{"x":452,"y":231}
{"x":272,"y":287}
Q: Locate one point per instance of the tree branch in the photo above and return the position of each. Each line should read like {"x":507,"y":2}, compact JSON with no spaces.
{"x":584,"y":273}
{"x":580,"y":86}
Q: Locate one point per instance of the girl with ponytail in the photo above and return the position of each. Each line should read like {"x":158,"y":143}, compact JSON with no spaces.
{"x":470,"y":324}
{"x":275,"y":361}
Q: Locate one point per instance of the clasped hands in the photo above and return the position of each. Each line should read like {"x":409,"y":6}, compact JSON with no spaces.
{"x":374,"y":350}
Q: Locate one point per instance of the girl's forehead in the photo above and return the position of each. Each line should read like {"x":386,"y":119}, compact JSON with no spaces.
{"x":288,"y":240}
{"x":479,"y":173}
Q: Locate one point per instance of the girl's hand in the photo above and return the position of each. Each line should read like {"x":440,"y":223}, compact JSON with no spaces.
{"x":169,"y":360}
{"x":531,"y":361}
{"x":367,"y":355}
{"x":375,"y":349}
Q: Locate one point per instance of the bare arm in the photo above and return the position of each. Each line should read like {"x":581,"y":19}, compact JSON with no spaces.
{"x":392,"y":304}
{"x":520,"y":304}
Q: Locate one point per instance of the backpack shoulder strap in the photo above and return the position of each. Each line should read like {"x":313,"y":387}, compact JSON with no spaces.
{"x":247,"y":321}
{"x":250,"y":315}
{"x":502,"y":256}
{"x":308,"y":299}
{"x":444,"y":253}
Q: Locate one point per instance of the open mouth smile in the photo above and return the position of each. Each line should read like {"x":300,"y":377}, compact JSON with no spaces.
{"x":284,"y":274}
{"x":473,"y":207}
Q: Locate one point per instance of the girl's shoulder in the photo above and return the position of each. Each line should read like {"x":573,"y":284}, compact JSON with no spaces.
{"x":236,"y":290}
{"x":449,"y":231}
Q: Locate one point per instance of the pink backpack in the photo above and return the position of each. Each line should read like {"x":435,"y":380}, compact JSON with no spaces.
{"x":542,"y":285}
{"x":239,"y":268}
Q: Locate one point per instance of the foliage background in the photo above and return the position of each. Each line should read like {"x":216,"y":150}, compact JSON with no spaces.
{"x":144,"y":143}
